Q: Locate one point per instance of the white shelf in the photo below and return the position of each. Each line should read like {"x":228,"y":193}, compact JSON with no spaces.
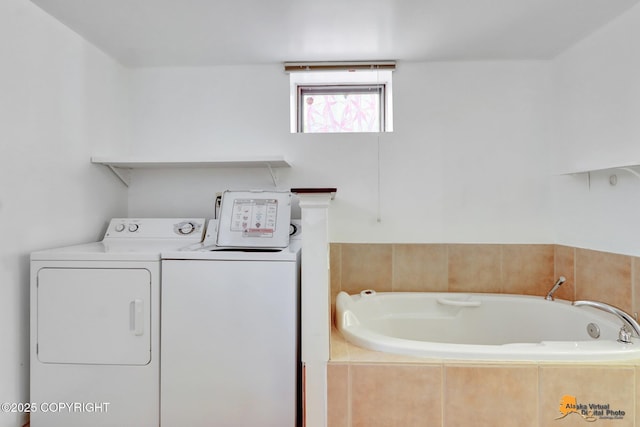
{"x":632,"y":168}
{"x":121,"y":167}
{"x":628,"y":167}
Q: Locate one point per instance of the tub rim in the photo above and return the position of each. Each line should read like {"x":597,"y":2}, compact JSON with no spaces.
{"x":544,"y":351}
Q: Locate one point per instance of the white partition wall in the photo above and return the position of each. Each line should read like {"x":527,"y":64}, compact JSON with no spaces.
{"x":315,"y":304}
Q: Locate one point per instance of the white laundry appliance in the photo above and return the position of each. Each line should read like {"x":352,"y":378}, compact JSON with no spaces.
{"x":230,"y":320}
{"x":95,"y":325}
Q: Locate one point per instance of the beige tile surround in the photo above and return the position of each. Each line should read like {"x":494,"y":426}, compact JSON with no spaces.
{"x":502,"y":268}
{"x":491,"y":395}
{"x":368,"y":388}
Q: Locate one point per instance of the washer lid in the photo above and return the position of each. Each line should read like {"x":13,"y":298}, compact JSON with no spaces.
{"x":254,"y":219}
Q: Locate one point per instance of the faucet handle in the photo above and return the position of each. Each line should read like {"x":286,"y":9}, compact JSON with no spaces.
{"x":555,"y":287}
{"x":624,"y":335}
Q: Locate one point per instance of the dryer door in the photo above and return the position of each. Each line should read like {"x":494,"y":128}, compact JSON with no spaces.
{"x":94,"y":316}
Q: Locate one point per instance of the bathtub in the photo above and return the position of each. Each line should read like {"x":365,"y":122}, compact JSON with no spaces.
{"x":468,"y":326}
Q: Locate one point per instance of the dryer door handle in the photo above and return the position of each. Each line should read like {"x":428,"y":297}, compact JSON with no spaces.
{"x":136,"y":317}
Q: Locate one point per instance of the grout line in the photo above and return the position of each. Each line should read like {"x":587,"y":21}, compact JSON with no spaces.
{"x":443,"y":379}
{"x":555,"y":262}
{"x":634,"y":313}
{"x":393,"y":270}
{"x":575,"y":273}
{"x":635,"y":392}
{"x":349,"y":396}
{"x":340,"y":268}
{"x":446,"y":260}
{"x":539,"y":403}
{"x":502,"y":288}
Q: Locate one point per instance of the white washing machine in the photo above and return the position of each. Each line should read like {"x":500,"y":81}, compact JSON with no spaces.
{"x":95,"y":326}
{"x":230,"y":333}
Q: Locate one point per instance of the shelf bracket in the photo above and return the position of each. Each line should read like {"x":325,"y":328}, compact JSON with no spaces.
{"x":274,"y":178}
{"x":123,"y":175}
{"x":630,"y":170}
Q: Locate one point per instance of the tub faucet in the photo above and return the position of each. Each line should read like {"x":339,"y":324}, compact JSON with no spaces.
{"x":555,"y":287}
{"x":629,"y":325}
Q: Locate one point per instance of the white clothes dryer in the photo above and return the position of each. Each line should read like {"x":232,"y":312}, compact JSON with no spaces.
{"x":95,"y":325}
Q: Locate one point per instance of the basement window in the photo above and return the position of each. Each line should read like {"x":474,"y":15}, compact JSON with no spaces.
{"x":337,"y":98}
{"x":341,"y":108}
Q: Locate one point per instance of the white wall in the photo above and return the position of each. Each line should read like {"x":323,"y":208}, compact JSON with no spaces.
{"x":61,"y":100}
{"x":471,"y":159}
{"x":467,"y":162}
{"x":598,"y":106}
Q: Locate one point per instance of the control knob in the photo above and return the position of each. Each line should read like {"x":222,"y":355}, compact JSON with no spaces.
{"x":133,"y":227}
{"x":186,"y":228}
{"x":120,"y":228}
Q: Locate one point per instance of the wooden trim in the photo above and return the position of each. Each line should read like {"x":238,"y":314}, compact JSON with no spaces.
{"x":290,"y":67}
{"x":326,"y":190}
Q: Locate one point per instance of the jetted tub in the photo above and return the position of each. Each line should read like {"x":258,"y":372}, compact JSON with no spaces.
{"x":467,"y":326}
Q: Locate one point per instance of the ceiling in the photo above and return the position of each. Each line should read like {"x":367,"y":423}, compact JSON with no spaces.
{"x":143,"y":33}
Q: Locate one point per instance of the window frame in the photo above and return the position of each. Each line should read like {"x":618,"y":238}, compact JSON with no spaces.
{"x":346,"y":77}
{"x":341,"y":89}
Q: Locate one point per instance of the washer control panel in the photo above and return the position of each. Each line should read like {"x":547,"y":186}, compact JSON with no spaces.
{"x":156,"y":228}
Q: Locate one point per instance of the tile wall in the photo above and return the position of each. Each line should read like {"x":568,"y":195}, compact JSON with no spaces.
{"x":501,"y":268}
{"x":398,"y":394}
{"x":367,"y":388}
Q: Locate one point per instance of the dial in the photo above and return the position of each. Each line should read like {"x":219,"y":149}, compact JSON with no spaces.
{"x":133,"y":227}
{"x":120,"y":228}
{"x":186,"y":228}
